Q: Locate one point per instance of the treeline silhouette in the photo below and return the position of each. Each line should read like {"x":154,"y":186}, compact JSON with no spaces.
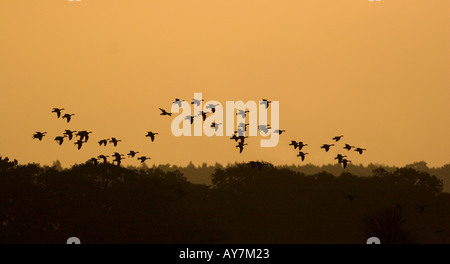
{"x":106,"y":203}
{"x":202,"y":174}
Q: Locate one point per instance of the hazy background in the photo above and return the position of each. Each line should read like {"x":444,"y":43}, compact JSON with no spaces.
{"x":376,"y":72}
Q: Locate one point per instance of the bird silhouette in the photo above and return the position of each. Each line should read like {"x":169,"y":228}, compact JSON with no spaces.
{"x":57,"y":111}
{"x":68,"y":117}
{"x":79,"y":143}
{"x":360,"y":150}
{"x":350,"y":197}
{"x":264,"y":128}
{"x":345,"y":162}
{"x":243,"y":126}
{"x":212,"y":107}
{"x":235,"y":137}
{"x":190,"y":118}
{"x":302,"y":155}
{"x":143,"y":159}
{"x":132,"y":153}
{"x":300,"y":145}
{"x":239,"y":132}
{"x":399,"y":206}
{"x":203,"y":114}
{"x":103,"y":142}
{"x":337,"y":138}
{"x":197,"y":102}
{"x":241,"y":146}
{"x":117,"y":154}
{"x":59,"y":139}
{"x":114,"y":141}
{"x":93,"y":160}
{"x":242,"y":113}
{"x":39,"y":135}
{"x":265,"y":102}
{"x":151,"y":135}
{"x":294,"y":143}
{"x":178,"y":102}
{"x":348,"y":147}
{"x":118,"y":160}
{"x":83,"y":135}
{"x":104,"y":158}
{"x":242,"y":139}
{"x":340,"y":157}
{"x":327,"y":146}
{"x":69,"y":133}
{"x":215,"y":125}
{"x":278,"y":131}
{"x":164,"y":112}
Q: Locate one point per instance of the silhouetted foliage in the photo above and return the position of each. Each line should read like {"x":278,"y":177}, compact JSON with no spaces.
{"x":106,"y":203}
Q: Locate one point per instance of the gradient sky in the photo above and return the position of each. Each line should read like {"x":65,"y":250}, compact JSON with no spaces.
{"x":376,"y":72}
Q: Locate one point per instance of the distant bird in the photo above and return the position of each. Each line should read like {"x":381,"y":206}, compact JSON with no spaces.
{"x":39,"y":135}
{"x":114,"y":141}
{"x":242,"y":113}
{"x":243,"y":126}
{"x":421,"y":208}
{"x":83,"y":135}
{"x":118,"y":159}
{"x":164,"y":112}
{"x":60,"y":140}
{"x":57,"y":111}
{"x":327,"y":146}
{"x":212,"y":107}
{"x":399,"y":207}
{"x":266,"y":103}
{"x":190,"y":118}
{"x":117,"y":154}
{"x":360,"y":150}
{"x":241,"y":139}
{"x":68,"y":117}
{"x":203,"y":114}
{"x":300,"y":145}
{"x":215,"y":125}
{"x":241,"y":146}
{"x":103,"y":142}
{"x":348,"y":147}
{"x":264,"y":128}
{"x":439,"y":231}
{"x":93,"y":160}
{"x":79,"y":143}
{"x":143,"y":159}
{"x":132,"y":153}
{"x":340,"y":157}
{"x":151,"y":135}
{"x":302,"y":155}
{"x":337,"y":138}
{"x":239,"y":132}
{"x":235,"y":137}
{"x":345,"y":162}
{"x":256,"y":164}
{"x":350,"y":197}
{"x":178,"y":102}
{"x":104,"y":158}
{"x":278,"y":131}
{"x":197,"y":102}
{"x":69,"y":133}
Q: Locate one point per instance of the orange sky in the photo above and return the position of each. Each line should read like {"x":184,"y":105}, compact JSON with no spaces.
{"x":376,"y":72}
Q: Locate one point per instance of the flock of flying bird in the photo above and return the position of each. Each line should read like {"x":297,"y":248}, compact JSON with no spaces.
{"x":342,"y":159}
{"x":83,"y":137}
{"x":238,"y":136}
